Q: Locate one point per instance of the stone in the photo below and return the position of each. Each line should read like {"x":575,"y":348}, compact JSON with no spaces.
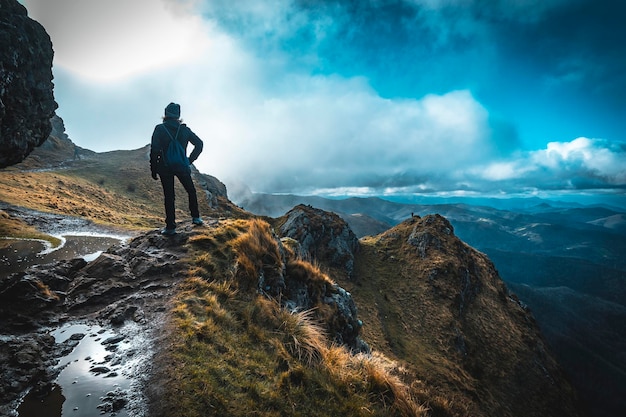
{"x":323,"y":235}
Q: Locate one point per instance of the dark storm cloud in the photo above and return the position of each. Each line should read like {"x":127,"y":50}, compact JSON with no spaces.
{"x":401,"y":47}
{"x":564,"y":55}
{"x":579,"y":44}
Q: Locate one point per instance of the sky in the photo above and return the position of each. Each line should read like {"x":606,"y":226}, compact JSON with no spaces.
{"x":357,"y":97}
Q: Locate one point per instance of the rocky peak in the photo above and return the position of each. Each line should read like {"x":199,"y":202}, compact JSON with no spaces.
{"x":26,"y":89}
{"x":323,"y":235}
{"x":437,"y":300}
{"x":58,"y":128}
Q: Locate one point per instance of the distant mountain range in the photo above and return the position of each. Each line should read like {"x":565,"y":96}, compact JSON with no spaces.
{"x":565,"y":261}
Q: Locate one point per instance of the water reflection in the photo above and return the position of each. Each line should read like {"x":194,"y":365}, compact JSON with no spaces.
{"x":95,"y":378}
{"x":17,"y":255}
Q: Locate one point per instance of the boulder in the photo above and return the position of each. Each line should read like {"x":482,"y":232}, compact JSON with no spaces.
{"x":323,"y":235}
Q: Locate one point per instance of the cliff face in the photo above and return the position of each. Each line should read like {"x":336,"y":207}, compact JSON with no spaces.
{"x":26,"y":89}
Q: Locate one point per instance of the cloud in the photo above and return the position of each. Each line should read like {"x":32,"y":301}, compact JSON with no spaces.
{"x":339,"y":133}
{"x":581,"y":164}
{"x":595,"y":159}
{"x":345,"y":97}
{"x":275,"y":127}
{"x":107,"y":41}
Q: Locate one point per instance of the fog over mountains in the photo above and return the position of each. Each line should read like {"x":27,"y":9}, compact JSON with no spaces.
{"x":564,"y":260}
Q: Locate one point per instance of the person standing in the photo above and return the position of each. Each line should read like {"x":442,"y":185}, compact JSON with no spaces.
{"x":172,"y":129}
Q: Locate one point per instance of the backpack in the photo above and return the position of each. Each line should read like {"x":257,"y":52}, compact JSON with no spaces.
{"x":174,"y":157}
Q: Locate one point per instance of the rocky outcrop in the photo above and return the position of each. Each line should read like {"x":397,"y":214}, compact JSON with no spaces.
{"x":323,"y":235}
{"x":334,"y":305}
{"x":26,"y":89}
{"x":275,"y":268}
{"x":58,"y":151}
{"x":43,"y":293}
{"x":214,"y":190}
{"x":434,"y":299}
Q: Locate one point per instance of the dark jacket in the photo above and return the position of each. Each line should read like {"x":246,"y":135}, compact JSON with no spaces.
{"x":160,"y":141}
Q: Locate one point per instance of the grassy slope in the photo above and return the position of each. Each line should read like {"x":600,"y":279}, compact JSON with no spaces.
{"x":113,"y":188}
{"x":448,"y":317}
{"x":232,"y":351}
{"x":12,"y":227}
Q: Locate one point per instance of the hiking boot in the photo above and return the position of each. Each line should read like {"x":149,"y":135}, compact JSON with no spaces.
{"x":197,"y":221}
{"x":168,"y":232}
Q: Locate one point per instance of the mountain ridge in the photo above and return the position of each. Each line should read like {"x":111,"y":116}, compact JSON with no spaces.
{"x":443,"y":369}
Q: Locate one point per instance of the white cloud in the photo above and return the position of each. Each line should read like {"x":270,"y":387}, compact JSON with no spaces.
{"x":499,"y":171}
{"x":110,"y":40}
{"x":337,"y":132}
{"x":582,"y":163}
{"x":592,"y":158}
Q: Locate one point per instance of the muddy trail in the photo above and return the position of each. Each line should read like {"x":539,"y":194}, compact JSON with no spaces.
{"x":78,"y":335}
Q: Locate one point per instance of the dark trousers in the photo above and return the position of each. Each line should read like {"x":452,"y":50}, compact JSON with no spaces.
{"x":167,"y":181}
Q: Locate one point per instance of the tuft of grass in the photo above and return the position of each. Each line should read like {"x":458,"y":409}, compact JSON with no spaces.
{"x":258,"y":254}
{"x":45,"y":291}
{"x":311,"y":274}
{"x":304,"y":337}
{"x":388,"y":388}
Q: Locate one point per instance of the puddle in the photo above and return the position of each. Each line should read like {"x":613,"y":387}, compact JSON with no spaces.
{"x":16,"y":255}
{"x":98,"y":375}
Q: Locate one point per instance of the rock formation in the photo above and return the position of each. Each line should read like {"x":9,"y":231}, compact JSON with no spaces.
{"x":127,"y":283}
{"x":26,"y":89}
{"x":323,"y":235}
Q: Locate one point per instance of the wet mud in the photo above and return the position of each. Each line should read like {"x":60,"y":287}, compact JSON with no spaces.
{"x":78,"y":334}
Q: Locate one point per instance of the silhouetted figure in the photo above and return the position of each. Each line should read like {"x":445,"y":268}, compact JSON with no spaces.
{"x":76,"y":153}
{"x":171,"y":129}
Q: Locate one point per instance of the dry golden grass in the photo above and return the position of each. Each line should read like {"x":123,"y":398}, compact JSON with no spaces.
{"x":304,"y":337}
{"x":238,"y":353}
{"x":113,"y":188}
{"x":257,"y":253}
{"x":71,"y":194}
{"x":45,"y":291}
{"x":11,"y":227}
{"x":404,"y":321}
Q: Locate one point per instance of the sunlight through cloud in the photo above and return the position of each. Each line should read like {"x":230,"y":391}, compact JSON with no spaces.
{"x":112,"y":40}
